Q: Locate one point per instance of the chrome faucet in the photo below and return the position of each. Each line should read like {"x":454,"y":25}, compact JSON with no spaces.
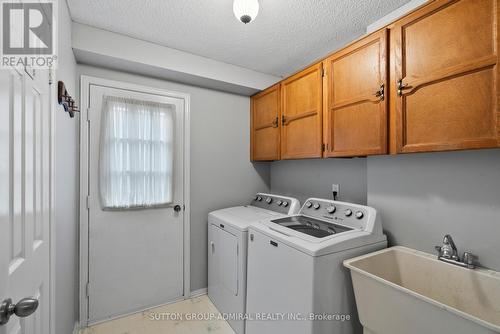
{"x":448,"y":253}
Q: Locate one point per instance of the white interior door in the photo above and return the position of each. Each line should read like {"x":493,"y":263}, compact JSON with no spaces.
{"x":25,"y":193}
{"x":135,"y":258}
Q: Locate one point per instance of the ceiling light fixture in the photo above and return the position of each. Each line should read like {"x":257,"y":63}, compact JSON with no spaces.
{"x":246,"y":10}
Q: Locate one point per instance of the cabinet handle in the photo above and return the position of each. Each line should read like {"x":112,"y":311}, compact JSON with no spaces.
{"x":401,"y":86}
{"x":380,"y":93}
{"x":283,"y":120}
{"x":213,"y":247}
{"x":276,"y":122}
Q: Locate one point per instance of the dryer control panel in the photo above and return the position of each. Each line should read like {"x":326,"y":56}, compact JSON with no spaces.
{"x":282,"y":204}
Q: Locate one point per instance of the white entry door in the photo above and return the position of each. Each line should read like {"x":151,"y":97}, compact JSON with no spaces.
{"x":136,"y":201}
{"x":25,"y":199}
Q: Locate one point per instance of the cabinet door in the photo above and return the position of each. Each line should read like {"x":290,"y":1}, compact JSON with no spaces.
{"x":356,"y":120}
{"x":446,"y":68}
{"x":265,"y":134}
{"x":301,"y":123}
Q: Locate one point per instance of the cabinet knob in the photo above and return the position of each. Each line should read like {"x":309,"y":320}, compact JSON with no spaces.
{"x":275,"y":123}
{"x":380,"y":93}
{"x":401,"y":87}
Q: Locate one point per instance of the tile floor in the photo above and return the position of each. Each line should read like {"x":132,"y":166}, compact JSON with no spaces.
{"x":159,"y":320}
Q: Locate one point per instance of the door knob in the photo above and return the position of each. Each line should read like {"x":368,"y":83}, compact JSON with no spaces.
{"x":177,"y":208}
{"x":23,"y":308}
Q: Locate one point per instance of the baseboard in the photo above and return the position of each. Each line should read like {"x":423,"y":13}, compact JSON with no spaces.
{"x":199,"y":292}
{"x":76,"y":329}
{"x":195,"y":293}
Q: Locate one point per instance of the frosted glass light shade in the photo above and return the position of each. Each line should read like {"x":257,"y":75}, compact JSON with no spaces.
{"x":246,"y":10}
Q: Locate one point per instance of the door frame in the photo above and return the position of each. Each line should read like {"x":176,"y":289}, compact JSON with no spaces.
{"x":85,"y":83}
{"x":54,"y":107}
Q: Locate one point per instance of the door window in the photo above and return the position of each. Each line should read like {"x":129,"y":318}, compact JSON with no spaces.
{"x":136,"y":153}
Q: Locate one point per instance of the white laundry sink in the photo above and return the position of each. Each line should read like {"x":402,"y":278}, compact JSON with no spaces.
{"x":401,"y":290}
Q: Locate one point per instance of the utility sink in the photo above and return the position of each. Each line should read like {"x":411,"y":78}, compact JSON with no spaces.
{"x":401,"y":290}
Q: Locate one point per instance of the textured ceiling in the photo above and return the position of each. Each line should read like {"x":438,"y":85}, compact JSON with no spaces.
{"x":285,"y":36}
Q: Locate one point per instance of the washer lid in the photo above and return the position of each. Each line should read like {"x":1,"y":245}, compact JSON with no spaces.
{"x":311,"y":226}
{"x":316,"y":246}
{"x":240,"y":217}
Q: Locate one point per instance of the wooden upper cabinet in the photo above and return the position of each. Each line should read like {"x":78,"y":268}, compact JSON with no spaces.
{"x":301,"y":102}
{"x":355,"y":122}
{"x":446,"y":76}
{"x":265,"y":125}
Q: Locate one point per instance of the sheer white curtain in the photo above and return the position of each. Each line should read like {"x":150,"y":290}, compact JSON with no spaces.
{"x":136,"y":153}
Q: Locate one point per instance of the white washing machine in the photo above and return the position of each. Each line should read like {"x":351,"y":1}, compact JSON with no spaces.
{"x":227,"y":251}
{"x":296,"y":283}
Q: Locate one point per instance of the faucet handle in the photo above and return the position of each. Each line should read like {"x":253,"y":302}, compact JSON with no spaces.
{"x":469,"y":259}
{"x":449,"y":249}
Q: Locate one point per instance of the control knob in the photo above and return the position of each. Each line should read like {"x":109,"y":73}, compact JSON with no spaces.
{"x":331,"y":209}
{"x":280,"y":203}
{"x":348,"y":212}
{"x":259,"y":198}
{"x":285,"y":204}
{"x":316,"y":206}
{"x":359,"y":214}
{"x":309,"y":204}
{"x":269,"y":200}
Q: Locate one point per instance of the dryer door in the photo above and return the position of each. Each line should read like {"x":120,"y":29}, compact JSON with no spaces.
{"x":228,"y":266}
{"x":213,"y":262}
{"x":226,"y":271}
{"x":222,"y":262}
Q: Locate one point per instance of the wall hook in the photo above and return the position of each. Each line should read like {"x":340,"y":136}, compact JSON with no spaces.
{"x":66,"y":100}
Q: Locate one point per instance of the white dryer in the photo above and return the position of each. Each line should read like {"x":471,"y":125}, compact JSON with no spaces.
{"x":296,"y":283}
{"x":227,"y":251}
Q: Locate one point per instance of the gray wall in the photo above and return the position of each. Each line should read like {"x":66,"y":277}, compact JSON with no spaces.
{"x":421,"y":197}
{"x":221,"y":173}
{"x":66,"y":187}
{"x":314,"y":178}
